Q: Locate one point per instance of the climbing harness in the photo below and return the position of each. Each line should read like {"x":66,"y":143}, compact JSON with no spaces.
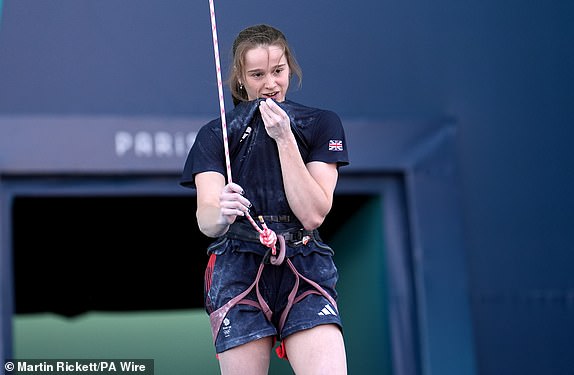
{"x":216,"y":317}
{"x":276,"y":243}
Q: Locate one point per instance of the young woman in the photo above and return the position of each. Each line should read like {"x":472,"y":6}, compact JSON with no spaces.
{"x":284,"y":162}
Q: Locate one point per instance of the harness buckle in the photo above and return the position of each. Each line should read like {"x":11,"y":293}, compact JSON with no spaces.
{"x":298,"y":237}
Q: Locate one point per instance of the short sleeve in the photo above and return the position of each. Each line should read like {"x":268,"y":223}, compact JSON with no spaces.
{"x":329,"y":143}
{"x":206,"y":154}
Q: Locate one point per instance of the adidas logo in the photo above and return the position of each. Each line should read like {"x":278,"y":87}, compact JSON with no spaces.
{"x":226,"y":329}
{"x":327,"y":310}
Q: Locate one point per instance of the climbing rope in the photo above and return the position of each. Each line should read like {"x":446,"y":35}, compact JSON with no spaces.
{"x":266,"y":236}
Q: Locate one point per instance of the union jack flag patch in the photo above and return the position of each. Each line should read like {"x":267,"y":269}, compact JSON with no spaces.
{"x":335,"y":145}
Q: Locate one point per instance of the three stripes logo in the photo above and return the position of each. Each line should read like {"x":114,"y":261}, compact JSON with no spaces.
{"x":327,"y":310}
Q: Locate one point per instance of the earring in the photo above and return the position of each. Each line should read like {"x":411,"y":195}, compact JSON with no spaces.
{"x":240,"y":86}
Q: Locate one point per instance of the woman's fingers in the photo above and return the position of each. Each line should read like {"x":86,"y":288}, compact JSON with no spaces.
{"x":270,"y":109}
{"x":232,"y":202}
{"x":232,"y":187}
{"x":277,"y":122}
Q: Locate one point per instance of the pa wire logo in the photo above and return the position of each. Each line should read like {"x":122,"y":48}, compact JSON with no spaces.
{"x":75,"y":366}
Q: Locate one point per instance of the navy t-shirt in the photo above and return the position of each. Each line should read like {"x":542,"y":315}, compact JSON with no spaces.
{"x":254,"y":157}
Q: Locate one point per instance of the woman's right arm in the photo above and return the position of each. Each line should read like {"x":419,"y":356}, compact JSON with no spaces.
{"x":218,"y":204}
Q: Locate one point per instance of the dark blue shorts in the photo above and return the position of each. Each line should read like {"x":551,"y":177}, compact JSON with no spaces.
{"x":233,"y":268}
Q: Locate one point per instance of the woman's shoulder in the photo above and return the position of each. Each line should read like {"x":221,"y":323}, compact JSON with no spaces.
{"x":237,"y":117}
{"x":210,"y":128}
{"x":305,"y":115}
{"x":301,"y":108}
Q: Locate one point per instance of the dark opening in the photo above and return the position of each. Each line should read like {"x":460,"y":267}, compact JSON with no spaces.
{"x":76,"y":254}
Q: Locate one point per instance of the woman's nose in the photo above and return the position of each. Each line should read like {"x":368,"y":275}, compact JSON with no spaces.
{"x":270,"y":81}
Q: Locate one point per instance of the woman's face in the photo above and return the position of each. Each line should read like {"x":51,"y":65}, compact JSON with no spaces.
{"x":266,"y":73}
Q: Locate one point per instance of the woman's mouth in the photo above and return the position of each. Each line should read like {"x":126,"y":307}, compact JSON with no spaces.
{"x":271,"y":94}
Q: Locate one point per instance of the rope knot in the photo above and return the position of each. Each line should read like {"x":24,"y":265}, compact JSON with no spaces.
{"x":268,"y":238}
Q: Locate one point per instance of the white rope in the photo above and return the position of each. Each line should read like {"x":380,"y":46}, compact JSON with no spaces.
{"x":220,"y":90}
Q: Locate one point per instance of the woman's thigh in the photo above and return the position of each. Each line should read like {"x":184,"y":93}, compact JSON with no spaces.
{"x":319,"y":350}
{"x":251,"y":358}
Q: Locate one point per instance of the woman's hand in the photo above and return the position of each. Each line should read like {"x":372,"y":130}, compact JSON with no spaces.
{"x":276,"y":120}
{"x":218,"y":204}
{"x":232,"y":203}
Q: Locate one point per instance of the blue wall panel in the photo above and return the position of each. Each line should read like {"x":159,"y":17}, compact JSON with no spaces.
{"x":502,"y":70}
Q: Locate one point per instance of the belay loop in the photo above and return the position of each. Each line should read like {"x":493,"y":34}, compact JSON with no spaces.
{"x":268,"y":238}
{"x":266,"y":235}
{"x":276,"y":255}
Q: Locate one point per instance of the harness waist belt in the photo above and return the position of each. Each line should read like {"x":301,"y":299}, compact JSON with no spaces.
{"x":244,"y":231}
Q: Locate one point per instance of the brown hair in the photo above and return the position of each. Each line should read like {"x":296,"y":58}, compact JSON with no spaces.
{"x":252,"y":37}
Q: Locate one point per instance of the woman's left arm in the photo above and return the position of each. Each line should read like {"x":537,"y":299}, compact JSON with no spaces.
{"x":309,"y":191}
{"x":309,"y":188}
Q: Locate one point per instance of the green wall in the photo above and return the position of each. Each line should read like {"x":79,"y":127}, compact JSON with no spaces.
{"x":360,"y":256}
{"x":178,"y":341}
